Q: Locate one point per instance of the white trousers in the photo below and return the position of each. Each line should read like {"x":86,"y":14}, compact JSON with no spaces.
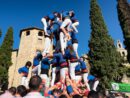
{"x":75,"y":47}
{"x":66,"y":23}
{"x":47,"y":46}
{"x":78,"y":78}
{"x":24,"y":81}
{"x":74,"y":25}
{"x":37,"y":69}
{"x":63,"y":41}
{"x":63,"y":72}
{"x":95,"y":85}
{"x":85,"y":75}
{"x":72,"y":69}
{"x":54,"y":70}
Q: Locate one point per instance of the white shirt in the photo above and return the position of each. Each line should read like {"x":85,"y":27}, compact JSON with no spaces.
{"x":34,"y":95}
{"x":67,"y":22}
{"x":7,"y":94}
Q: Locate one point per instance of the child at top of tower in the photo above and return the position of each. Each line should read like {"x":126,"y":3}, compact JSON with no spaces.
{"x":75,"y":23}
{"x":47,"y":23}
{"x":55,"y":29}
{"x":65,"y":29}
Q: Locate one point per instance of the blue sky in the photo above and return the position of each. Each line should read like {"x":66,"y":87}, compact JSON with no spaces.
{"x":22,"y":14}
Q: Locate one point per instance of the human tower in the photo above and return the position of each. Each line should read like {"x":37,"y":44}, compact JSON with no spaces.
{"x":61,"y":33}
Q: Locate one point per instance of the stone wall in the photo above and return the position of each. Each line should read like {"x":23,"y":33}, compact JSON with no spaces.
{"x":31,"y":40}
{"x":12,"y":68}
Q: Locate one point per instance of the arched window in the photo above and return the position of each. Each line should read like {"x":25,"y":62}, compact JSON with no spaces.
{"x":119,"y":45}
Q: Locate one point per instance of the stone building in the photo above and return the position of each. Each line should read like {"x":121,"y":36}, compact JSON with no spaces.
{"x":121,"y":50}
{"x":31,"y":39}
{"x":123,"y":53}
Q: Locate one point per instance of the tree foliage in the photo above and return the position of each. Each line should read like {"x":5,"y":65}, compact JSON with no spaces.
{"x":123,"y":9}
{"x":105,"y":60}
{"x":5,"y":55}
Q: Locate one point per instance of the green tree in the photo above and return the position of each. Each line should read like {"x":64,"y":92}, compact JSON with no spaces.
{"x":104,"y":59}
{"x":123,"y":9}
{"x":5,"y":55}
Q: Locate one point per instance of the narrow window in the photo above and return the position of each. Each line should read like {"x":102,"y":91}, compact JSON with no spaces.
{"x":119,"y":45}
{"x":123,"y":53}
{"x":40,"y":33}
{"x":27,"y":33}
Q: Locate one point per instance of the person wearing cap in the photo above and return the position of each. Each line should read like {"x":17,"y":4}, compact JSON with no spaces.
{"x":23,"y":71}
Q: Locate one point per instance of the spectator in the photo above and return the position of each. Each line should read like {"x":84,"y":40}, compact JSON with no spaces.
{"x":21,"y":91}
{"x":9,"y":93}
{"x":63,"y":96}
{"x":84,"y":96}
{"x":35,"y":86}
{"x":56,"y":93}
{"x":93,"y":94}
{"x":77,"y":96}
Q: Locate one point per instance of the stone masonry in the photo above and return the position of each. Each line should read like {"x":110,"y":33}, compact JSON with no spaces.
{"x":31,"y":39}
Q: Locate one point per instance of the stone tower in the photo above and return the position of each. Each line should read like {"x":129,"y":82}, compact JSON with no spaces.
{"x":123,"y":53}
{"x":31,"y":39}
{"x":121,"y":50}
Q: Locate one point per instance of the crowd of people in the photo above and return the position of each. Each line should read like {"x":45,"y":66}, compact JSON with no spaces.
{"x":61,"y":74}
{"x":36,"y":90}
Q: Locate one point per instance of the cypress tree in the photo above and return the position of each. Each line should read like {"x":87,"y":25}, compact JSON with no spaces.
{"x":123,"y":9}
{"x":5,"y":55}
{"x":105,"y":60}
